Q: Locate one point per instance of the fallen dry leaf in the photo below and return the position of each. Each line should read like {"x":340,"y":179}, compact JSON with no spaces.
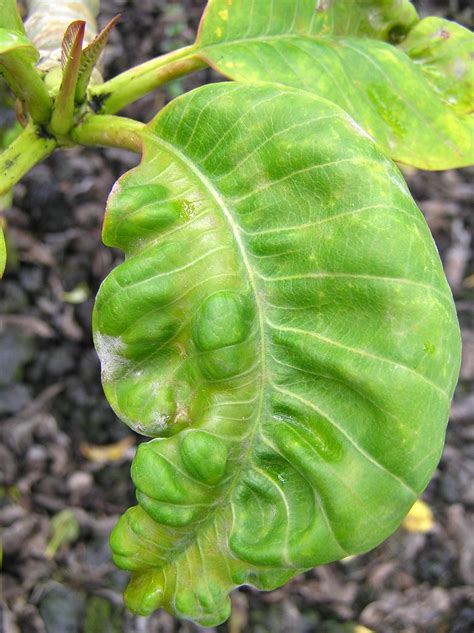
{"x":108,"y":452}
{"x":419,"y":519}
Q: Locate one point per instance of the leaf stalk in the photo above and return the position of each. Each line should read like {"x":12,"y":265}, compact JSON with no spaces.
{"x":109,"y":131}
{"x":135,"y":83}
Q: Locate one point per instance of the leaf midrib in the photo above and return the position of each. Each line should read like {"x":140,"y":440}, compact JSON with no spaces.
{"x":235,"y":229}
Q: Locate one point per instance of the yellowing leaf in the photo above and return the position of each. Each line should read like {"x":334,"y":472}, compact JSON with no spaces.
{"x":419,"y":519}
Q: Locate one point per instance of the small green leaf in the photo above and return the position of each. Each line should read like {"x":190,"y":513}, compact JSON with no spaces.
{"x":10,"y":17}
{"x":65,"y":529}
{"x":90,"y":57}
{"x":283,"y":327}
{"x":339,"y":51}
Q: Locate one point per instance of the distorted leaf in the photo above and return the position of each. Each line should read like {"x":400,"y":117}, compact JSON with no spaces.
{"x":269,"y":329}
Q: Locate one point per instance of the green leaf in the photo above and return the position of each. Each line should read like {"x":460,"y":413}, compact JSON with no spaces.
{"x":334,"y":51}
{"x":283,"y":326}
{"x":443,"y":51}
{"x":15,"y":49}
{"x":10,"y":17}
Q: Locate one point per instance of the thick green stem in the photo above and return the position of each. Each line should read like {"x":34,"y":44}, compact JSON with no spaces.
{"x":110,"y":131}
{"x":29,"y":148}
{"x":27,"y":84}
{"x":126,"y":88}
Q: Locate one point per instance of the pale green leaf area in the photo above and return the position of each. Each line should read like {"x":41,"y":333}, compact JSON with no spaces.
{"x":15,"y":50}
{"x":386,"y":20}
{"x":18,"y":57}
{"x":283,"y":327}
{"x":15,"y":42}
{"x":444,"y":52}
{"x":408,"y":102}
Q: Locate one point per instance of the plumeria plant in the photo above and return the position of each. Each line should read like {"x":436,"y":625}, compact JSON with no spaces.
{"x":281,"y":325}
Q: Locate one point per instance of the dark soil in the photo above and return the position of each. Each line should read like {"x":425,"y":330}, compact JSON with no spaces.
{"x":55,"y":416}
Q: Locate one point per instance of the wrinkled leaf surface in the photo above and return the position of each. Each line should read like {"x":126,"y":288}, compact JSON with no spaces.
{"x":283,"y":327}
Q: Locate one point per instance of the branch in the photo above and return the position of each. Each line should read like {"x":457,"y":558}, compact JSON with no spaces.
{"x":29,"y":148}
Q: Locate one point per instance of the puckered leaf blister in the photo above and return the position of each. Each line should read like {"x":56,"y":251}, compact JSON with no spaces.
{"x":414,"y":99}
{"x":282,"y":326}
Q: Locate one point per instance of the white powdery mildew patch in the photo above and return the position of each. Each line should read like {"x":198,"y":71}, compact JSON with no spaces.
{"x":109,"y":350}
{"x":151,"y":428}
